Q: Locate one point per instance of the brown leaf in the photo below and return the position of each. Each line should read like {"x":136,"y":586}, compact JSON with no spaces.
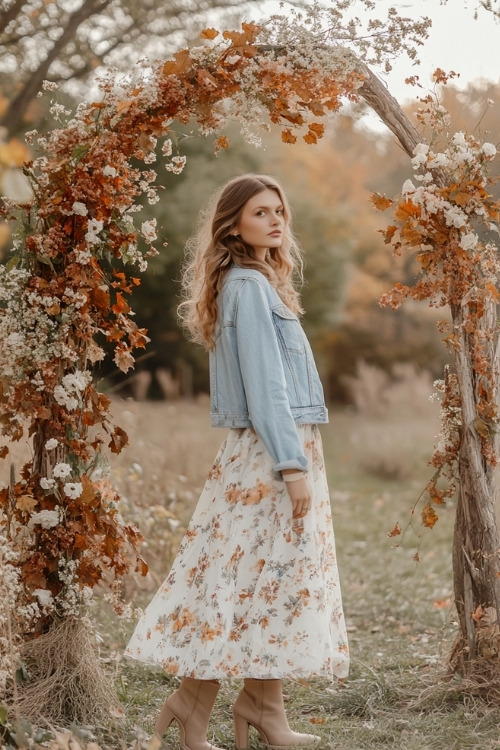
{"x":310,"y":137}
{"x":381,"y":202}
{"x":318,"y":128}
{"x":288,"y":137}
{"x":27,"y":503}
{"x":395,"y":531}
{"x":179,"y":65}
{"x":209,"y":33}
{"x":88,"y":495}
{"x":482,"y":428}
{"x":429,"y":516}
{"x":3,"y":451}
{"x":119,"y":439}
{"x":222,"y":142}
{"x":492,"y":290}
{"x":388,"y":233}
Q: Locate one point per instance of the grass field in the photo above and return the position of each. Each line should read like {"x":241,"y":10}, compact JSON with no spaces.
{"x":399,"y":614}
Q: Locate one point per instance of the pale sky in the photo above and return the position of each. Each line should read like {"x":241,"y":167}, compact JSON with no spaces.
{"x":456,"y":42}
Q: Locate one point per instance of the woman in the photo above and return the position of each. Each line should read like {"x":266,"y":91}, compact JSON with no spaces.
{"x":253,"y":592}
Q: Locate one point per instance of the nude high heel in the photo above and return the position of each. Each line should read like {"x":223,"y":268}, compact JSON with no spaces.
{"x":190,"y":706}
{"x":260,"y":705}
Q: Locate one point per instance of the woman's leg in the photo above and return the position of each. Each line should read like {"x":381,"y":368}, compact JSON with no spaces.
{"x":260,"y":704}
{"x":190,"y":705}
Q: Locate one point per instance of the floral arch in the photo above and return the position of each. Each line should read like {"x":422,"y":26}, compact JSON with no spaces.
{"x":73,"y":269}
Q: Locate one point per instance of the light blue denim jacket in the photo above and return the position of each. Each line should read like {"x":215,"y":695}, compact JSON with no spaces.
{"x":262,"y":371}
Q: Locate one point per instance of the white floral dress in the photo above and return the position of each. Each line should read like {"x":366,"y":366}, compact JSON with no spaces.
{"x":248,"y":595}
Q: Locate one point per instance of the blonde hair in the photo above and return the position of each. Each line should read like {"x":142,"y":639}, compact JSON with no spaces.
{"x":214,"y":248}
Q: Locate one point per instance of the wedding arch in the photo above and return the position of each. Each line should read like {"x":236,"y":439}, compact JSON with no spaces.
{"x":66,"y":289}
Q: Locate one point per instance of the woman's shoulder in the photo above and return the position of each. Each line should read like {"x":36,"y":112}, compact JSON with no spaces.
{"x":247,"y":286}
{"x":238,"y":272}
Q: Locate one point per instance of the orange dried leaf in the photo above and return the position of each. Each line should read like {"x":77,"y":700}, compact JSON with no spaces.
{"x":381,"y":202}
{"x":437,"y":499}
{"x":395,"y":531}
{"x":223,"y":141}
{"x":388,"y":233}
{"x":120,"y":305}
{"x":3,"y":451}
{"x":318,"y":128}
{"x":310,"y":137}
{"x":406,"y":210}
{"x":209,"y":33}
{"x":477,"y":614}
{"x":180,"y":64}
{"x":429,"y":516}
{"x":288,"y":137}
{"x":410,"y":235}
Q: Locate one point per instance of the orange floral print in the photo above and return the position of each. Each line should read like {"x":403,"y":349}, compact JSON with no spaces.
{"x":246,"y":596}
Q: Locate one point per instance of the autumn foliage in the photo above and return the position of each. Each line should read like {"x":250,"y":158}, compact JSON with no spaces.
{"x":66,"y":290}
{"x":443,"y":218}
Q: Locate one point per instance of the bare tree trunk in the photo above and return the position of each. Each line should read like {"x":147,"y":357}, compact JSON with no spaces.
{"x":476,"y":543}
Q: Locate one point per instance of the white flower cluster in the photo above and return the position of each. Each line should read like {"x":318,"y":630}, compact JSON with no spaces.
{"x":75,"y":599}
{"x":80,"y":209}
{"x":29,"y":335}
{"x":176,"y":164}
{"x":68,"y":394}
{"x":148,"y":230}
{"x":462,"y":160}
{"x":10,"y":590}
{"x":93,"y":228}
{"x":47,"y":519}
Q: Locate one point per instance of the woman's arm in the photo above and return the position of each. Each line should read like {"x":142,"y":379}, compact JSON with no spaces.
{"x":264,"y":379}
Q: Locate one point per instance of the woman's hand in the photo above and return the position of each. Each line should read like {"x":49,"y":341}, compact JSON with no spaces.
{"x":300,"y":496}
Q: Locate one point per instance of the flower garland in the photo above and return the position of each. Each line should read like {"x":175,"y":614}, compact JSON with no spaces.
{"x":439,"y":217}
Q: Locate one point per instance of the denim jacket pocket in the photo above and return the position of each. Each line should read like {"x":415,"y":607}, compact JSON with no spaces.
{"x":288,"y":329}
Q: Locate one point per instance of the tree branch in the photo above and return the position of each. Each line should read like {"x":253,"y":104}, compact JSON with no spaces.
{"x":17,"y":107}
{"x":377,"y":96}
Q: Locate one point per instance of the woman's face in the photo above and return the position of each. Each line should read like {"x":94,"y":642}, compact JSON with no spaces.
{"x":262,"y":222}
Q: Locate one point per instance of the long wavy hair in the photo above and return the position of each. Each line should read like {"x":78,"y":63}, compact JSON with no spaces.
{"x":214,"y":248}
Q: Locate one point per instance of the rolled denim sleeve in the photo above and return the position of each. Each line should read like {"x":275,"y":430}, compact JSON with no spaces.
{"x":264,"y":379}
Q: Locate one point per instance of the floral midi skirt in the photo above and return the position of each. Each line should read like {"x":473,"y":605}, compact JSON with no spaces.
{"x":250,"y":594}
